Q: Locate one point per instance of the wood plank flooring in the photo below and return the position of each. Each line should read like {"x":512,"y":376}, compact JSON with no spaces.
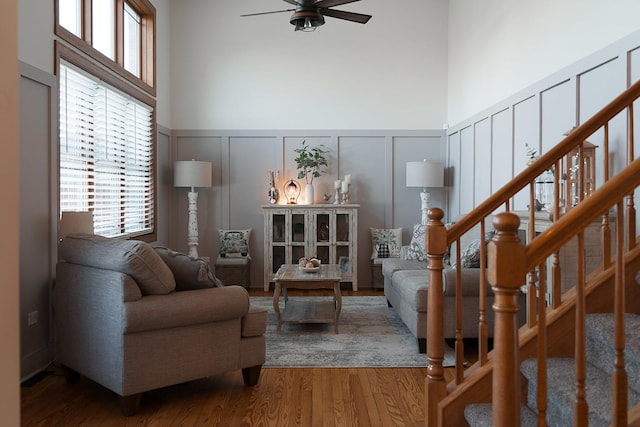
{"x":283,"y":397}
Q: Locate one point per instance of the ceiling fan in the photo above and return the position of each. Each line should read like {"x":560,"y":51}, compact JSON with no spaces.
{"x":309,"y":14}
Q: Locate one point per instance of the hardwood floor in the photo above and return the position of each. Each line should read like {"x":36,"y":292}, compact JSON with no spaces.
{"x":283,"y":397}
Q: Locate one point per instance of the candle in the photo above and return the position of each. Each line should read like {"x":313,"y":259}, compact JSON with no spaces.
{"x":347,"y":179}
{"x":345,"y":186}
{"x":336,"y":184}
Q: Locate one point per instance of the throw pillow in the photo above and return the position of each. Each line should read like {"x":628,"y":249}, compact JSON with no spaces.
{"x":383,"y":250}
{"x":470,"y":254}
{"x":190,"y":273}
{"x":392,"y":237}
{"x":132,"y":257}
{"x":417,"y":250}
{"x":234,"y":242}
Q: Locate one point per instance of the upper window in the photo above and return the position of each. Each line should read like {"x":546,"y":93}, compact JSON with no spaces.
{"x":106,"y":154}
{"x":117,"y":33}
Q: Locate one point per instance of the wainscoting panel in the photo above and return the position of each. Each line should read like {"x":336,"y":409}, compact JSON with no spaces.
{"x":500,"y":161}
{"x":375,"y":159}
{"x":38,"y":216}
{"x":482,"y":158}
{"x":452,"y":173}
{"x":541,"y":115}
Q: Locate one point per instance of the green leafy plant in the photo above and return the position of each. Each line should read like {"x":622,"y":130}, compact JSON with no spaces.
{"x":310,"y":160}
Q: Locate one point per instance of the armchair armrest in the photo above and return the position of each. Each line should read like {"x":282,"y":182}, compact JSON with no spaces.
{"x":186,"y":308}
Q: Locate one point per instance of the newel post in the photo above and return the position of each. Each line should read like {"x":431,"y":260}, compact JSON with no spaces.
{"x":507,"y":273}
{"x":435,"y":385}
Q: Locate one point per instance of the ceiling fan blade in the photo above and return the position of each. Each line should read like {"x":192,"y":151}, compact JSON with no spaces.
{"x":331,"y":3}
{"x":293,"y":2}
{"x":268,"y":13}
{"x":349,"y":16}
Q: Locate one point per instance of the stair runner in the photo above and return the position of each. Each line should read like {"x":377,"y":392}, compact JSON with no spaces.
{"x":561,"y":378}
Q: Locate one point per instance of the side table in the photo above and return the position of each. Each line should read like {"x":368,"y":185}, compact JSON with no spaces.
{"x":234,"y":270}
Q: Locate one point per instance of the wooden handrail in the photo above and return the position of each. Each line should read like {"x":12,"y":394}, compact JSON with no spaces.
{"x":617,"y":190}
{"x":592,"y":208}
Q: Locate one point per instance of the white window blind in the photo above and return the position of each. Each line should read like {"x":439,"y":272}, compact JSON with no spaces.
{"x":106,"y":155}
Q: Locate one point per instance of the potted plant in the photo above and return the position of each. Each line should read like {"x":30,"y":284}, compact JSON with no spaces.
{"x":310,"y":161}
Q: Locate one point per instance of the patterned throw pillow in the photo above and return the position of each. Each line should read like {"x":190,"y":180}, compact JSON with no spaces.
{"x":470,"y":255}
{"x":234,"y":242}
{"x":417,"y":250}
{"x":391,"y":236}
{"x":383,"y":250}
{"x":190,"y":273}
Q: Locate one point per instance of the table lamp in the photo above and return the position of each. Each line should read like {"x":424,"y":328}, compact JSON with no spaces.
{"x":75,"y":222}
{"x":425,"y":174}
{"x":192,"y":173}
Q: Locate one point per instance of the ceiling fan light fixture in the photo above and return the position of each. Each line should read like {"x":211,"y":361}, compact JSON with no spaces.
{"x":306,"y":20}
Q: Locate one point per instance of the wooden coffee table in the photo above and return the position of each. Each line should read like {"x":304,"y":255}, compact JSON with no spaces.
{"x":300,"y":310}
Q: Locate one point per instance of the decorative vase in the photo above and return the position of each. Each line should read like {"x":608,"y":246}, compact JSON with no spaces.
{"x":308,"y":194}
{"x":274,"y":195}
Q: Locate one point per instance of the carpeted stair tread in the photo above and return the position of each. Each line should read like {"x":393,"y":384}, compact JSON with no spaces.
{"x":561,"y":391}
{"x":479,"y":415}
{"x":600,"y":345}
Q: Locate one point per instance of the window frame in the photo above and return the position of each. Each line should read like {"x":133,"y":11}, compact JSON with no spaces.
{"x":147,"y":12}
{"x":77,"y":59}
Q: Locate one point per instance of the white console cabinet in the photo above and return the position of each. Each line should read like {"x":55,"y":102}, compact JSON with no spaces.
{"x":327,"y":232}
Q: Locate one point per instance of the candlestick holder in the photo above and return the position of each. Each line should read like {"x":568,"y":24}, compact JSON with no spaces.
{"x":337,"y":197}
{"x":345,"y":197}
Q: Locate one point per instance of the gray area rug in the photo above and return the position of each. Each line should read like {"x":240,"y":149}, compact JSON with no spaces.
{"x":370,"y":335}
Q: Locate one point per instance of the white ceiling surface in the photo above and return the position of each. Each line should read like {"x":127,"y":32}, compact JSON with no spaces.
{"x":229,"y":72}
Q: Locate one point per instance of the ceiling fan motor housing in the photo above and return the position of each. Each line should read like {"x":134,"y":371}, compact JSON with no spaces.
{"x":301,"y":15}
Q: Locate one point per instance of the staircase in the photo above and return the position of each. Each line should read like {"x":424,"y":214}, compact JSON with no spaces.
{"x":577,"y":359}
{"x":561,"y":377}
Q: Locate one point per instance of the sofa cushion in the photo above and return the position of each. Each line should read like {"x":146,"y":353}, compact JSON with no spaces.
{"x":412,"y":286}
{"x":392,"y":237}
{"x":189,"y":273}
{"x":391,"y":265}
{"x":132,"y":257}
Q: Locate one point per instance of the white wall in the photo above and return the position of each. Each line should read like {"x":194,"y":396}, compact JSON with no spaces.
{"x":230,"y":72}
{"x":498,"y":47}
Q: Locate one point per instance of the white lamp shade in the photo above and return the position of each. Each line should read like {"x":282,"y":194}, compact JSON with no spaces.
{"x":75,"y":222}
{"x":425,"y":174}
{"x":191,"y":173}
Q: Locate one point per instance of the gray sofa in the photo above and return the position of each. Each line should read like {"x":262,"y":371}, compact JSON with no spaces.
{"x":120,"y":321}
{"x":406,"y":288}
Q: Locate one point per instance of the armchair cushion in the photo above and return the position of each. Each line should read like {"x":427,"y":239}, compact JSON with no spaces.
{"x":186,"y":308}
{"x":132,"y":257}
{"x":189,"y":273}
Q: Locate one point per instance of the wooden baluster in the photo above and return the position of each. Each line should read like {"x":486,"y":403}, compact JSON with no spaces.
{"x":531,"y":285}
{"x":605,"y":229}
{"x":631,"y":210}
{"x":435,"y":385}
{"x":507,"y":272}
{"x":619,"y":377}
{"x":580,"y":406}
{"x":542,"y":348}
{"x":483,"y":334}
{"x":556,"y":270}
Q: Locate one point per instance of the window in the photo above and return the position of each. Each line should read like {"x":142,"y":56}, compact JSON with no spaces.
{"x":106,"y":154}
{"x":105,"y":57}
{"x":119,"y":34}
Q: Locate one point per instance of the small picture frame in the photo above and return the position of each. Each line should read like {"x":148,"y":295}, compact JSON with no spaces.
{"x":345,"y":264}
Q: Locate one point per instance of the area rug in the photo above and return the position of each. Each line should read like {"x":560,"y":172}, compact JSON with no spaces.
{"x":370,"y":335}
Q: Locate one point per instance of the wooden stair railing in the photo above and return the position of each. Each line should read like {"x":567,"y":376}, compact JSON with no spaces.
{"x":438,"y":238}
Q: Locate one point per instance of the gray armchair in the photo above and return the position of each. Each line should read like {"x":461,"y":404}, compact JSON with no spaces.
{"x":120,"y":322}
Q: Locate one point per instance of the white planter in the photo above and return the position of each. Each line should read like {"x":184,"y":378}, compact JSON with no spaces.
{"x":308,"y":194}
